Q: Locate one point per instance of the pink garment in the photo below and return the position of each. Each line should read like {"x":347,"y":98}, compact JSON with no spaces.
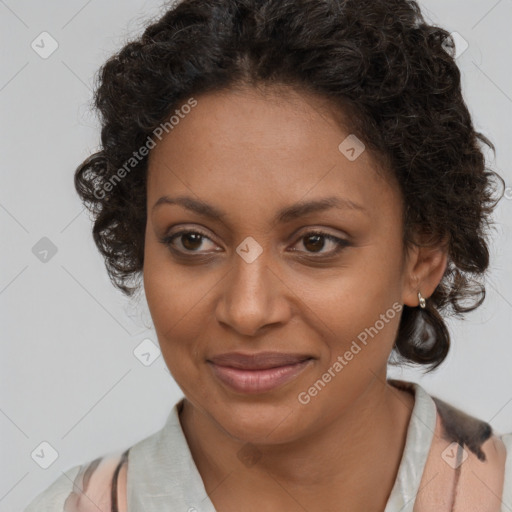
{"x":464,"y":471}
{"x":100,"y":486}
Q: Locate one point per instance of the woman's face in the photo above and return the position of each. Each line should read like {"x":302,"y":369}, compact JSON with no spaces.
{"x":262,"y":279}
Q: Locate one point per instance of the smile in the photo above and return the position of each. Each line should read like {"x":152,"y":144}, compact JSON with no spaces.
{"x":258,"y":381}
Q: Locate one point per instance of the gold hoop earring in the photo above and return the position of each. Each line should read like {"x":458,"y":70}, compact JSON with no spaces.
{"x":423,"y":302}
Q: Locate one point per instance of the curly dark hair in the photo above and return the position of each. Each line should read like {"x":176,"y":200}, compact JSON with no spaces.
{"x":378,"y":61}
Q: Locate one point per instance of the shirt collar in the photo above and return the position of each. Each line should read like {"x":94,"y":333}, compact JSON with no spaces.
{"x":163,"y":477}
{"x":420,"y":434}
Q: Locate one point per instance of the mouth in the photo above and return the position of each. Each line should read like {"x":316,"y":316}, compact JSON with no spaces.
{"x":258,"y":373}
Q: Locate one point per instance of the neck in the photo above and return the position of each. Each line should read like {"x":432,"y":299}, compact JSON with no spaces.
{"x":356,"y":456}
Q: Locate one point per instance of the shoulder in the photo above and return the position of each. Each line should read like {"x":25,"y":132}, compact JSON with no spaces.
{"x":466,"y":465}
{"x":95,"y":486}
{"x":53,"y":498}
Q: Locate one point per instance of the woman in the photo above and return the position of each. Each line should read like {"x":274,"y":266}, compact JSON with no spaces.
{"x":302,"y":190}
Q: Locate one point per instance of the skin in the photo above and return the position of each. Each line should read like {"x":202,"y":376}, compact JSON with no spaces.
{"x":250,"y":153}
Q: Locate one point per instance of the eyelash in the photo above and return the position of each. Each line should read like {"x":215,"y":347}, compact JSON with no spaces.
{"x":168,"y":240}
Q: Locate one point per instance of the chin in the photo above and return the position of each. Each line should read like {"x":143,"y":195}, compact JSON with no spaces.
{"x":258,"y":422}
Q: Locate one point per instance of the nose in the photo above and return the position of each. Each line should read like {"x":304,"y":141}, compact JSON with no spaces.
{"x":253,"y":296}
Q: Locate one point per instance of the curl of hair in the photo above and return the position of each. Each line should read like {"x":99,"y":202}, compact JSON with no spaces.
{"x":391,"y":74}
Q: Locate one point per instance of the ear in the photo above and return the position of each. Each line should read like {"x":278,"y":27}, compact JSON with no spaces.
{"x":423,"y":270}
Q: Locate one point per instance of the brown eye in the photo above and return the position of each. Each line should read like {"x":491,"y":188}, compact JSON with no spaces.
{"x":315,"y":241}
{"x":189,"y":242}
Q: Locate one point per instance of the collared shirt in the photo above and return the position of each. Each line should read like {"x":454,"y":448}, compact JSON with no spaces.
{"x":442,"y":468}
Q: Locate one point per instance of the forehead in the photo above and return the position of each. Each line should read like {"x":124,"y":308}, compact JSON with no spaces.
{"x":280,"y":146}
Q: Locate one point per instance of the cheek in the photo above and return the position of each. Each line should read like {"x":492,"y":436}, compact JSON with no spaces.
{"x":168,"y":305}
{"x":352,"y":297}
{"x":173,"y":313}
{"x":171,"y":293}
{"x":176,"y":300}
{"x":356,"y":310}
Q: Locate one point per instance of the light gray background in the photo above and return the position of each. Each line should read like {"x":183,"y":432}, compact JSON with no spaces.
{"x":69,"y":374}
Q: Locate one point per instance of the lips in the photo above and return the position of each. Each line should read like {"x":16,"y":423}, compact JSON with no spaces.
{"x":258,"y":373}
{"x":258,"y":361}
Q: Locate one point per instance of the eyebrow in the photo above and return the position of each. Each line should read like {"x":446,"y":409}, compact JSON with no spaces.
{"x":287,"y":214}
